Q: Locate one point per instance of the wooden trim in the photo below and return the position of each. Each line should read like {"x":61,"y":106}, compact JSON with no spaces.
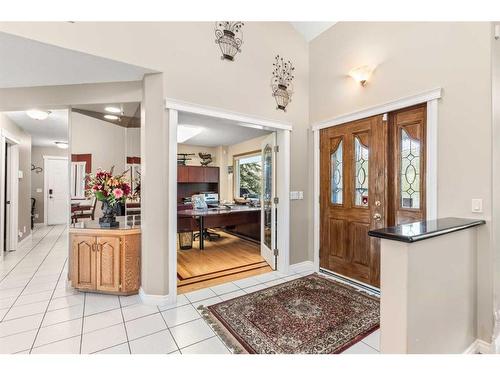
{"x":242,"y":119}
{"x":394,"y":105}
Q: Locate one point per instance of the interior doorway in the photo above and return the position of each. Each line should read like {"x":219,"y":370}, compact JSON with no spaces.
{"x":229,"y":221}
{"x":56,"y":196}
{"x":9,"y":159}
{"x":372,"y":175}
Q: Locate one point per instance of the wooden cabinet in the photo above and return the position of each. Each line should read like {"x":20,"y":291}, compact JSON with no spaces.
{"x":105,"y":262}
{"x":182,"y":173}
{"x":197,"y":174}
{"x":211,"y":174}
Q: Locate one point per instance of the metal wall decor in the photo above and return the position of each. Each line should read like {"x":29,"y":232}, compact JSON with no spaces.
{"x":281,"y":82}
{"x":229,"y":37}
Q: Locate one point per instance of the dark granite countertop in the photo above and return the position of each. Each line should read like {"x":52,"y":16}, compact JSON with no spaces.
{"x":422,"y":230}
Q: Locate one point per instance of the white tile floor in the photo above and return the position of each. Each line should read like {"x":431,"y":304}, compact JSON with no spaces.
{"x":40,"y":314}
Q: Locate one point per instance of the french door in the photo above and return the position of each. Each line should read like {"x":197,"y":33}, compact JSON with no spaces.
{"x":372,"y":175}
{"x":268,"y":205}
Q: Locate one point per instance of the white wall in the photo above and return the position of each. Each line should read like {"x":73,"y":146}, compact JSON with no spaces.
{"x":133,"y":142}
{"x":194,"y":72}
{"x":411,"y":58}
{"x":24,"y":207}
{"x":105,"y":141}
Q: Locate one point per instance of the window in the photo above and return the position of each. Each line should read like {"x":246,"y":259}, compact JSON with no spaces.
{"x":78,"y":179}
{"x":410,"y":171}
{"x":361,"y":153}
{"x":247,"y":175}
{"x":336,"y":175}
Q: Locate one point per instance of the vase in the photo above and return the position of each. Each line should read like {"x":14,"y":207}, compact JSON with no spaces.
{"x":108,"y":220}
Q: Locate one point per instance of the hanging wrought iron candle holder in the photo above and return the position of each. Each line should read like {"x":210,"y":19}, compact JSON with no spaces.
{"x":281,"y":82}
{"x":229,"y":37}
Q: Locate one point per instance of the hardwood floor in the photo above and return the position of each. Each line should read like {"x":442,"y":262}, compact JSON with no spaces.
{"x":226,"y":259}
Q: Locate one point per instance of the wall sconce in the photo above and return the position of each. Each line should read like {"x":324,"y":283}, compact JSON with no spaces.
{"x":361,"y":74}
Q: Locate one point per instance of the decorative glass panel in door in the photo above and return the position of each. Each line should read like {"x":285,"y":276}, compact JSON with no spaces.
{"x":410,"y":171}
{"x":361,"y":154}
{"x":268,"y":206}
{"x":336,"y":180}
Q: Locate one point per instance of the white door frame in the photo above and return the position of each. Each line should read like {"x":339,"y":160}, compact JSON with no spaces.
{"x":8,"y":138}
{"x":45,"y":191}
{"x":430,"y":97}
{"x":282,"y":129}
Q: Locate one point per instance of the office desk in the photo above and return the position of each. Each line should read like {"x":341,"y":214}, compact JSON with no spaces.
{"x":214,"y":218}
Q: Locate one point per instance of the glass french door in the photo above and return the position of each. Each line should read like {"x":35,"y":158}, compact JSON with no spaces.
{"x":268,"y":205}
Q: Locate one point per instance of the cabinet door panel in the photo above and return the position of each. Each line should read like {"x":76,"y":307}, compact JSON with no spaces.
{"x":108,"y":264}
{"x":196,"y":174}
{"x":182,"y":173}
{"x":83,"y":262}
{"x":211,"y":174}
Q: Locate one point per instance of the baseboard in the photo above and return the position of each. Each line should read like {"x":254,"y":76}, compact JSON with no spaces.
{"x":479,"y":347}
{"x":156,"y":299}
{"x":301,"y":267}
{"x":24,"y":241}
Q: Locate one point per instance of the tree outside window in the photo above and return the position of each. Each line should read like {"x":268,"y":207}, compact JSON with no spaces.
{"x":248,"y":176}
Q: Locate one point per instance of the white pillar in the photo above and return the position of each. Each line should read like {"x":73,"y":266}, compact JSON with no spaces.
{"x":154,"y":191}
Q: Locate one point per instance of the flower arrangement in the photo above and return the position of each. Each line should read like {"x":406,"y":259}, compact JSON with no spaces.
{"x":108,"y":188}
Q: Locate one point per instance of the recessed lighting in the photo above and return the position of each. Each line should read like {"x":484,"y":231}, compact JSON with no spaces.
{"x":111,"y":117}
{"x":37,"y":114}
{"x":63,"y":145}
{"x":185,"y":132}
{"x":113,"y":110}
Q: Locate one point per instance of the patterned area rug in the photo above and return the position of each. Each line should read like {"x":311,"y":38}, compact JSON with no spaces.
{"x":310,"y":315}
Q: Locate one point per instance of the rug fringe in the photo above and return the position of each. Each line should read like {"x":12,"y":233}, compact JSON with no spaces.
{"x":232,"y":344}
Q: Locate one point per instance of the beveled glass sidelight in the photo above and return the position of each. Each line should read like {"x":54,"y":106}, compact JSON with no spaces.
{"x":267,"y":186}
{"x":361,"y":160}
{"x":336,"y":178}
{"x":410,"y":171}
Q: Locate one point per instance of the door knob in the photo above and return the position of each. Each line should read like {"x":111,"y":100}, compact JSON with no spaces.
{"x":377,"y":217}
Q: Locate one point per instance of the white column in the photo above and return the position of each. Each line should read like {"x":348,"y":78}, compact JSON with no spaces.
{"x":154,"y":191}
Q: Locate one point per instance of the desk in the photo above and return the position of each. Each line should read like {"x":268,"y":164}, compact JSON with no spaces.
{"x":221,"y":217}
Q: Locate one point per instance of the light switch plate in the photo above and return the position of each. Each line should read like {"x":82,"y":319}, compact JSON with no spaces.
{"x":39,"y":190}
{"x":20,"y":174}
{"x":477,"y":205}
{"x":296,"y":195}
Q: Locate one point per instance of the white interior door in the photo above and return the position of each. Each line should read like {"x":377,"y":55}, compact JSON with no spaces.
{"x":267,"y":201}
{"x":56,"y":190}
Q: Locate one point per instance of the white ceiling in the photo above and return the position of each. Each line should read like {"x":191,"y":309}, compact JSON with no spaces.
{"x":218,"y":132}
{"x":311,"y":30}
{"x":44,"y":132}
{"x":26,"y":63}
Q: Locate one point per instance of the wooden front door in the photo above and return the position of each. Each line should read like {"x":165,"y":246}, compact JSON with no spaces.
{"x":372,"y":175}
{"x":353,"y":179}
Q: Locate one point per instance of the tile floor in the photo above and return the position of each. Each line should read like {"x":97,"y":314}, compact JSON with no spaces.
{"x":39,"y":313}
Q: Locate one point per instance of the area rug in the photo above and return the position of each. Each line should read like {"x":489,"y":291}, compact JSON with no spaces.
{"x":309,"y":315}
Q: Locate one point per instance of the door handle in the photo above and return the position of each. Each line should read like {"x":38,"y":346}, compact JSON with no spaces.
{"x":377,"y":217}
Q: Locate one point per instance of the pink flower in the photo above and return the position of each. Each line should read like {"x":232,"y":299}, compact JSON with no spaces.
{"x":118,"y":193}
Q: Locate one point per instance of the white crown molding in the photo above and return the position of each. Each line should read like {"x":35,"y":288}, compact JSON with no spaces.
{"x":407,"y":101}
{"x":183,"y":106}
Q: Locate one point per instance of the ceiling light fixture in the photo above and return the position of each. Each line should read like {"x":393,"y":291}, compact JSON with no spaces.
{"x":361,"y":74}
{"x":111,"y":117}
{"x":37,"y":114}
{"x":63,"y":145}
{"x":113,"y":109}
{"x":185,"y":132}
